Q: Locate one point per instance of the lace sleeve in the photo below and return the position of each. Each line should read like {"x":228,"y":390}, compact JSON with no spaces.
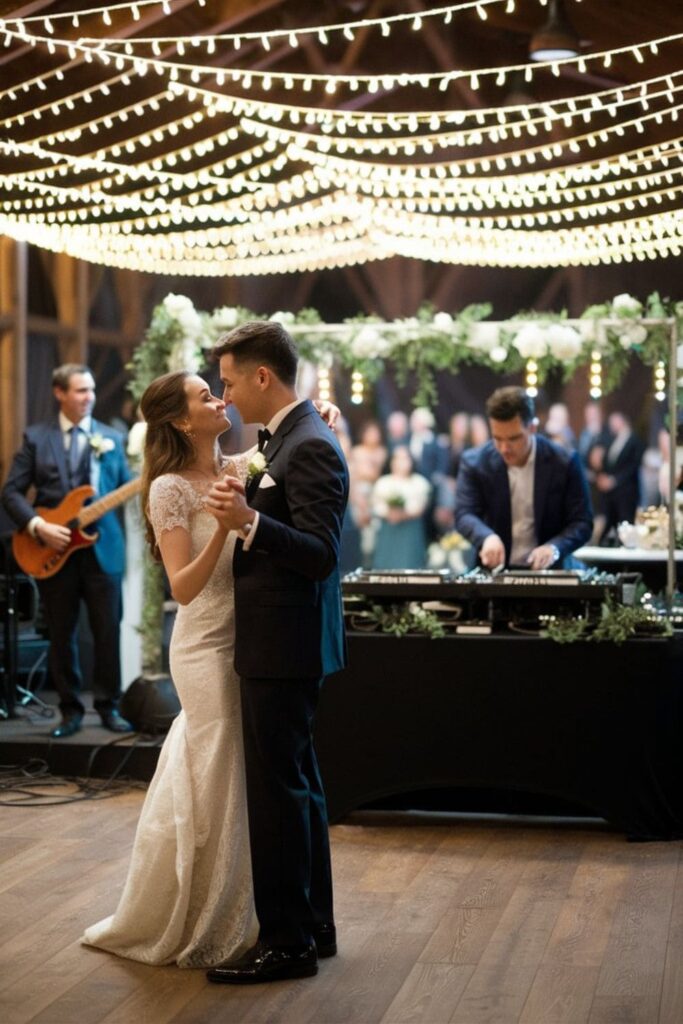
{"x":237,"y":464}
{"x":168,"y":505}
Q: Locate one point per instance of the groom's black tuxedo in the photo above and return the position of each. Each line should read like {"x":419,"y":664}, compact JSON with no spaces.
{"x":289,"y":634}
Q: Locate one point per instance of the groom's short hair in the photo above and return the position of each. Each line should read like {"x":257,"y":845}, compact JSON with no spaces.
{"x":263,"y":343}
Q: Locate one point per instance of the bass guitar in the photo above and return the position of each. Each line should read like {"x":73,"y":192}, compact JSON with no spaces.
{"x":40,"y":561}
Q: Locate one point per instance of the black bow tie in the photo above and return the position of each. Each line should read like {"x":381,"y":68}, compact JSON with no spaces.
{"x":264,"y":437}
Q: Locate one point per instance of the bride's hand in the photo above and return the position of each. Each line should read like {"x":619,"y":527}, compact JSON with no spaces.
{"x":329,"y":412}
{"x":234,"y":483}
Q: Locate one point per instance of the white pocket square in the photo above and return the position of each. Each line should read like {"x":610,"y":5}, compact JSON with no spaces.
{"x":267,"y":481}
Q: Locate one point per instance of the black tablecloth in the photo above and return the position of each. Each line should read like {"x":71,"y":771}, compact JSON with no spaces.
{"x":594,"y":726}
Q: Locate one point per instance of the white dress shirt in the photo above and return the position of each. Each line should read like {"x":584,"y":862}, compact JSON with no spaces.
{"x":272,"y":426}
{"x":521,"y":481}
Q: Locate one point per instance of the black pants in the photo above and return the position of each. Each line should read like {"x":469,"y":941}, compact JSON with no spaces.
{"x":290,"y":849}
{"x":81,"y":578}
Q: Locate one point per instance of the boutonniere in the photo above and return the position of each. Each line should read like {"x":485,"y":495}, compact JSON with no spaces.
{"x":100,"y":445}
{"x":258,"y":464}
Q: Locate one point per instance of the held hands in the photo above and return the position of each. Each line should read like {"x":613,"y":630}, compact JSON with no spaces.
{"x":492,"y":553}
{"x":54,"y":536}
{"x":227,"y":504}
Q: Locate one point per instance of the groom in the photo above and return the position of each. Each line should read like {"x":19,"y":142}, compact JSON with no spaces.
{"x":289,"y":634}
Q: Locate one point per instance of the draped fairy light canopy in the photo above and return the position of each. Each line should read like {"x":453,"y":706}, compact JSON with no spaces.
{"x":234,"y":138}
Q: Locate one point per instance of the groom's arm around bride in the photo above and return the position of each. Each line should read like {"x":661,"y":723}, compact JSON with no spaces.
{"x":289,"y":635}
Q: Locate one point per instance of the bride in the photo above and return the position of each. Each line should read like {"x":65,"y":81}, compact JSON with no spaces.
{"x":188,"y":895}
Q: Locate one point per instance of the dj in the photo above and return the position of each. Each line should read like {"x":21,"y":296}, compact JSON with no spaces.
{"x":520,"y":499}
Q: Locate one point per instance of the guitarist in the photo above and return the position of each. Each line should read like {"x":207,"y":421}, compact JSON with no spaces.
{"x":67,"y":452}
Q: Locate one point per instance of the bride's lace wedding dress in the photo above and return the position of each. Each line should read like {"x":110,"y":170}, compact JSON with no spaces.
{"x":188,"y":895}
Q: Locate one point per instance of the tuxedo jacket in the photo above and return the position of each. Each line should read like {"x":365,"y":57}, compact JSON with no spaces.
{"x":41,"y":463}
{"x":562,"y":508}
{"x":288,"y":608}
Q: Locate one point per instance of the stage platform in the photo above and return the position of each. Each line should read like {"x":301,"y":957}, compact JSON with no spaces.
{"x":94,"y":752}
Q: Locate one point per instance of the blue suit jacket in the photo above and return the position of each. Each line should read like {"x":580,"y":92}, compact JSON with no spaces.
{"x":41,"y":463}
{"x":288,"y":611}
{"x":562,"y":507}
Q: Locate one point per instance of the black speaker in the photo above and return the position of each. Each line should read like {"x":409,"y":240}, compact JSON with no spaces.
{"x":150,"y":704}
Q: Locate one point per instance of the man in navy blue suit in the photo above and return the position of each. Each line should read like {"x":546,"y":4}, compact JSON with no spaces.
{"x":520,"y":499}
{"x":57,"y":456}
{"x":289,"y":634}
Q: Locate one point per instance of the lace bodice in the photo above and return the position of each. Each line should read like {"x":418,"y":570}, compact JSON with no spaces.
{"x":174,"y":500}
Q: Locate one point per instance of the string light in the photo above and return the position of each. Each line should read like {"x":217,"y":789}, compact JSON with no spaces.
{"x":595,"y":377}
{"x":531,"y":378}
{"x":324,"y":384}
{"x":357,"y":387}
{"x":660,"y":382}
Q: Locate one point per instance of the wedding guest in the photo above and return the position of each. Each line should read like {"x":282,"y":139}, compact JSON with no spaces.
{"x":557,"y":427}
{"x":399,"y":501}
{"x":370,"y":449}
{"x":619,"y":477}
{"x":479,"y":431}
{"x":398,"y":429}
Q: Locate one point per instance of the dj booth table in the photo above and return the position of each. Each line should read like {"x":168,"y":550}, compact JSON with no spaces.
{"x":594,"y":726}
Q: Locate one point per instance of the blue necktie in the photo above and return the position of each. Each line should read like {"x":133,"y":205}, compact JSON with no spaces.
{"x":74,"y":453}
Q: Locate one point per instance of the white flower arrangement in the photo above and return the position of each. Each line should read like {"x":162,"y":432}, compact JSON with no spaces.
{"x":443,"y":322}
{"x":484,"y":337}
{"x":564,"y":343}
{"x":626,"y":305}
{"x":531,"y":341}
{"x":286,"y":319}
{"x":498,"y":354}
{"x":100,"y":445}
{"x":633,"y":334}
{"x":369,"y":344}
{"x":224,"y":318}
{"x":257,"y":465}
{"x":136,"y":440}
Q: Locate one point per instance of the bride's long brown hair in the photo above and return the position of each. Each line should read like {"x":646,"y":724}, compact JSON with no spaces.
{"x":168,"y":449}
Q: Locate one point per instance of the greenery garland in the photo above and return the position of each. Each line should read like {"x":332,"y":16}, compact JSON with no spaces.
{"x":179,"y":336}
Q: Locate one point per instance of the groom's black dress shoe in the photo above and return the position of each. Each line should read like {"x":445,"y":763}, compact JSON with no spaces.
{"x":325,"y":936}
{"x":115,"y":722}
{"x":267,"y":963}
{"x":69,"y":725}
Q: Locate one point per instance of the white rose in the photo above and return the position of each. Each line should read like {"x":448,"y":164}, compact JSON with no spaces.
{"x":184,"y":356}
{"x":369,"y":343}
{"x":136,"y":439}
{"x":443,"y":322}
{"x":483,"y":336}
{"x":531,"y":342}
{"x":498,"y":354}
{"x":634,"y":334}
{"x":283,"y":318}
{"x":191,"y":323}
{"x":224,"y":318}
{"x":626,"y":305}
{"x":177,"y":305}
{"x":564,"y":342}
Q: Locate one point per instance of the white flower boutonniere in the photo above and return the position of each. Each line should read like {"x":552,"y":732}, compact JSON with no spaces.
{"x":100,"y":445}
{"x":258,"y":464}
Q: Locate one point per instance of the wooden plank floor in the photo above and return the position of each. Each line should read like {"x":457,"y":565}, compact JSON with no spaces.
{"x":441,"y":919}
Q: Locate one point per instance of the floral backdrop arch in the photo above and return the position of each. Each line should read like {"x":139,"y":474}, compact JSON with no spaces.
{"x":604,"y":338}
